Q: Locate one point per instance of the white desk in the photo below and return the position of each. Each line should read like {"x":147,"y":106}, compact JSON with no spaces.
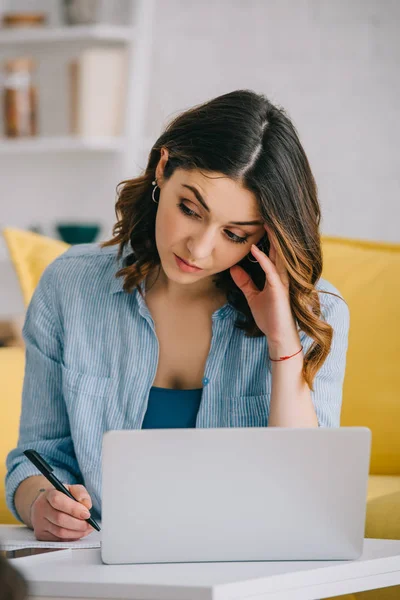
{"x":81,"y":574}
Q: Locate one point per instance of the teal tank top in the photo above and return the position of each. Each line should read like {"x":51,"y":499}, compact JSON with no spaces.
{"x":169,"y":408}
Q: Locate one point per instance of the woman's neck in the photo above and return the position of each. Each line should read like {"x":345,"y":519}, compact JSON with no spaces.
{"x":159,"y":286}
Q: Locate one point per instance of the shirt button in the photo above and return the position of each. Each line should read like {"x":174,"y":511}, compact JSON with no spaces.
{"x":205,"y":380}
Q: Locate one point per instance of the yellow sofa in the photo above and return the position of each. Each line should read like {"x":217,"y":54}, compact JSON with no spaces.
{"x":11,"y":377}
{"x":30,"y":254}
{"x":368,"y":276}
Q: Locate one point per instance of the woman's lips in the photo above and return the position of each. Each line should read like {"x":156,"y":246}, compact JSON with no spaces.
{"x":184,"y":266}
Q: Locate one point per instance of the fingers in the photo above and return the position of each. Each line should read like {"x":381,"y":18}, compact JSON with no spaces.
{"x":56,"y":517}
{"x":62,"y":503}
{"x":80,"y":493}
{"x":56,"y":526}
{"x":267,"y":265}
{"x":65,"y":518}
{"x":64,"y":521}
{"x":46,"y":536}
{"x":276,"y":260}
{"x":59,"y":535}
{"x":243,"y":281}
{"x":64,"y":534}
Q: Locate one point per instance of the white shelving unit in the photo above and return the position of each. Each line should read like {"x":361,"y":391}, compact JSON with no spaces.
{"x":136,"y":36}
{"x":42,"y":175}
{"x":62,"y":144}
{"x":73,"y":33}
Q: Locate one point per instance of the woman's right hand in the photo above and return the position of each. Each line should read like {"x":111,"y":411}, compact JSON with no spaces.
{"x":57,"y":518}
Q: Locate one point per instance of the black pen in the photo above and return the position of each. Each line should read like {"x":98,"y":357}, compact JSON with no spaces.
{"x":47,"y":471}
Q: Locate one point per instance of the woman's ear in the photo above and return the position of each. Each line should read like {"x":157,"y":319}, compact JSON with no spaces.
{"x":161,"y":165}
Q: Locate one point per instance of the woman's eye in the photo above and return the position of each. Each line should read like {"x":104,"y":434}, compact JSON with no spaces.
{"x":190,"y":213}
{"x":187,"y":211}
{"x":236,"y":239}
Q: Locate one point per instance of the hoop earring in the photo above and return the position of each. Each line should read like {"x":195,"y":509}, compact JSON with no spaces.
{"x":254,"y":261}
{"x":154,"y":189}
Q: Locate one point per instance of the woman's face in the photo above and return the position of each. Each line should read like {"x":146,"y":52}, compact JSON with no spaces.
{"x":195,"y":221}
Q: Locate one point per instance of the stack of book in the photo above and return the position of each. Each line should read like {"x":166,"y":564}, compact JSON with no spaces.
{"x":98,"y":79}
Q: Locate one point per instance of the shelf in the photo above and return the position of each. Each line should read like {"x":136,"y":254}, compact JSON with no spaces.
{"x":61,"y":144}
{"x":105,"y":33}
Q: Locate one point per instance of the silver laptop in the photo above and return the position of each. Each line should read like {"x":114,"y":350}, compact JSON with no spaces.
{"x":234,"y":494}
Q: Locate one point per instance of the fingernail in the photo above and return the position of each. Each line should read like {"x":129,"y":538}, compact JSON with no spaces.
{"x":85,"y":514}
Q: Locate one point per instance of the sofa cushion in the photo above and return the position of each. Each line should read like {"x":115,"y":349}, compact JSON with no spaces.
{"x":383,"y":507}
{"x":368,"y":276}
{"x":12,"y":362}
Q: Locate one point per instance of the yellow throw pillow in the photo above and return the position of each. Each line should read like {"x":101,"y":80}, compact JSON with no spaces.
{"x":368,"y":275}
{"x":31,"y":253}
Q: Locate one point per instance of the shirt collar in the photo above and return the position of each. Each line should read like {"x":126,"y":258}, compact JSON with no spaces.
{"x":117,"y":285}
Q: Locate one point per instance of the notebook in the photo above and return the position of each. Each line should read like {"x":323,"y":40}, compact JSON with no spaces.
{"x":17,"y":537}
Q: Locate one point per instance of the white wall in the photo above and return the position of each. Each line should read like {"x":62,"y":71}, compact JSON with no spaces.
{"x":333,"y":64}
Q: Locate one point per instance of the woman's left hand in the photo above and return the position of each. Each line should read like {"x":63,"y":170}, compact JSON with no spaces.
{"x":271,"y":306}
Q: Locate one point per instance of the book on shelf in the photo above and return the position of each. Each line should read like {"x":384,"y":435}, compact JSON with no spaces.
{"x":97,"y":79}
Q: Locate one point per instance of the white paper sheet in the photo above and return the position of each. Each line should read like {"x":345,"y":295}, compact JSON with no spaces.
{"x":16,"y":537}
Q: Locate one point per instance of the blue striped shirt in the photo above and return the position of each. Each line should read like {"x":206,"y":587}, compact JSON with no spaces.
{"x":92,"y":356}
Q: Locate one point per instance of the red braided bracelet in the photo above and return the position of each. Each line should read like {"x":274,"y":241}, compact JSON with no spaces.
{"x":284,"y":357}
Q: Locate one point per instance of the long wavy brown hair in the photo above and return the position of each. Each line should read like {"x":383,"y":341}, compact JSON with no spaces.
{"x":244,"y":136}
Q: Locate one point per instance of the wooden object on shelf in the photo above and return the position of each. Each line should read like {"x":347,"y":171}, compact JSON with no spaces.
{"x":24,"y":19}
{"x":97,"y":92}
{"x":20,"y":98}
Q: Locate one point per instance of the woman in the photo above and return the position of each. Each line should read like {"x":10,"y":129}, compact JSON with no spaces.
{"x":126,"y":335}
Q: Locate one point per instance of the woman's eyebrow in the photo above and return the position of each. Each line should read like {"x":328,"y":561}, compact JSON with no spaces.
{"x":203,"y":203}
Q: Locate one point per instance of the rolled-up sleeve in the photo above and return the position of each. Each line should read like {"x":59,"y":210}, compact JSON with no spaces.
{"x":44,"y":424}
{"x":328,"y":382}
